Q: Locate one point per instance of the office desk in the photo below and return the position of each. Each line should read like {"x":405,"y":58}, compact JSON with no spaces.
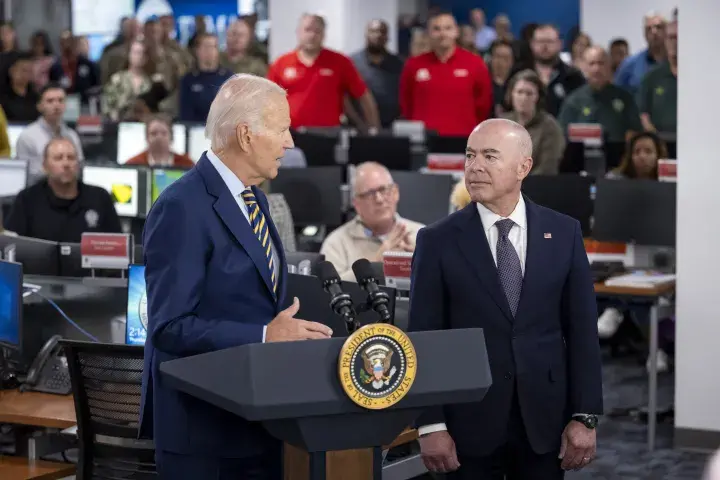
{"x":651,"y":297}
{"x":17,"y":468}
{"x":37,"y":409}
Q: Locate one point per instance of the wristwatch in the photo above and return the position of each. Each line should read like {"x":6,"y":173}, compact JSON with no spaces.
{"x":590,"y":421}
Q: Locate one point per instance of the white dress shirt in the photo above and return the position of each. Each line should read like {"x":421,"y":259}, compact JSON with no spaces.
{"x":518,"y":239}
{"x":236,"y":187}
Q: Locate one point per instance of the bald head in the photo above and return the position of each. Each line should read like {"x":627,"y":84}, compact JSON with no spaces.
{"x":370,"y":173}
{"x":597,"y":67}
{"x":375,"y":197}
{"x":497,"y":159}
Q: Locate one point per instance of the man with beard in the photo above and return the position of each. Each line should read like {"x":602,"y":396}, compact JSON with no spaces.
{"x":559,"y":78}
{"x":381,"y":71}
{"x":61,"y":207}
{"x":317,"y":80}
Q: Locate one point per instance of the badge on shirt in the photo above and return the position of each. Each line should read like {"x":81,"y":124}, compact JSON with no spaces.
{"x":326,"y":72}
{"x":422,"y":75}
{"x":460,"y":72}
{"x":289,"y":73}
{"x":559,"y":90}
{"x":586,"y":111}
{"x":91,"y":218}
{"x":83,"y":70}
{"x":197,"y":87}
{"x":618,"y":105}
{"x":659,"y":91}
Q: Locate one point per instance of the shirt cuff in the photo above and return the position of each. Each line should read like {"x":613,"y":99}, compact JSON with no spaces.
{"x":264,"y":331}
{"x":432,"y":428}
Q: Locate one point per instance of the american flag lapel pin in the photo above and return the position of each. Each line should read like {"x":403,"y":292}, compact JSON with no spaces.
{"x":547,"y":235}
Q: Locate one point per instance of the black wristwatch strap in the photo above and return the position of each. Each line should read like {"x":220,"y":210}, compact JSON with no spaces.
{"x":590,"y":421}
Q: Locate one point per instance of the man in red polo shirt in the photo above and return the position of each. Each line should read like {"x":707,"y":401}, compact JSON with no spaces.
{"x":448,"y":88}
{"x":317,"y":79}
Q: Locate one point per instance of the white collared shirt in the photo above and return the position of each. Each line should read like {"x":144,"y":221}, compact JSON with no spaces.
{"x":518,"y":239}
{"x":236,"y":187}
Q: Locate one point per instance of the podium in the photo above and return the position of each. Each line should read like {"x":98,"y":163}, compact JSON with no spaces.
{"x":294,"y":389}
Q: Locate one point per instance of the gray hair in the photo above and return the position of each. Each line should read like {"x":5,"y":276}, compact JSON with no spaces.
{"x":363,"y":169}
{"x":653,"y":14}
{"x":524,"y":139}
{"x":240,"y":100}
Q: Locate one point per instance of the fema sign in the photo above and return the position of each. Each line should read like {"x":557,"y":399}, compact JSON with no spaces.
{"x":218,"y":14}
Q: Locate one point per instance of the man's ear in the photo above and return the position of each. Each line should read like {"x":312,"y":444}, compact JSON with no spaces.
{"x":243,"y":134}
{"x":525,"y":167}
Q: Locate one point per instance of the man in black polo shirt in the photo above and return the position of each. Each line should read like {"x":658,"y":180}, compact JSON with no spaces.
{"x":60,"y":207}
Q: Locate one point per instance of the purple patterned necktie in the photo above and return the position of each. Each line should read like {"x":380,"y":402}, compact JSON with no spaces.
{"x":508,"y":265}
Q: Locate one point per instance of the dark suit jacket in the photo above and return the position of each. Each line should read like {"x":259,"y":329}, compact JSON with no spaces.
{"x":549,"y":351}
{"x":208,"y":288}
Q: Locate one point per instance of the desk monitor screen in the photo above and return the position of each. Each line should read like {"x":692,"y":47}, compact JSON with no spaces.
{"x":121,"y":183}
{"x":315,"y":302}
{"x":38,"y":257}
{"x":424,"y":198}
{"x":197,"y":143}
{"x":11,"y":281}
{"x":133,"y":141}
{"x":162,"y":178}
{"x":318,"y":147}
{"x":635,"y":211}
{"x":13,"y":177}
{"x":312,"y":193}
{"x":136,"y":324}
{"x":566,"y":193}
{"x":393,"y":152}
{"x":14,"y":132}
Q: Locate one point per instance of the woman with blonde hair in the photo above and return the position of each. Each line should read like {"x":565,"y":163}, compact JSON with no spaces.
{"x":460,"y":198}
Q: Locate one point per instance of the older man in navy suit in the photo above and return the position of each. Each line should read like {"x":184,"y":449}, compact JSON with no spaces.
{"x":215,"y":274}
{"x":520,"y":272}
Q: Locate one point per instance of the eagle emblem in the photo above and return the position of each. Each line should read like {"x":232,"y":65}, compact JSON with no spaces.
{"x":377,"y":360}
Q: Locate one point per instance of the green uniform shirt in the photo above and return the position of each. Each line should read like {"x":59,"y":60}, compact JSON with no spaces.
{"x":612,"y":107}
{"x":657,"y":97}
{"x":247,"y":64}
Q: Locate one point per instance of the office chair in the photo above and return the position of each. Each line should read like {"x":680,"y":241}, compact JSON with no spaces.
{"x":106,"y":381}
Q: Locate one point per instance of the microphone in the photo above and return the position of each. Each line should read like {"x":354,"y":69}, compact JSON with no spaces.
{"x":377,"y":299}
{"x":340,"y":302}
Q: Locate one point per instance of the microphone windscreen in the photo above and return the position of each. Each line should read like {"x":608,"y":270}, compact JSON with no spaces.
{"x":362,"y":270}
{"x":327,"y":272}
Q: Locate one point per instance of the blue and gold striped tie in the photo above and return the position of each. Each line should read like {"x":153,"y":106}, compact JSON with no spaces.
{"x":260,"y":227}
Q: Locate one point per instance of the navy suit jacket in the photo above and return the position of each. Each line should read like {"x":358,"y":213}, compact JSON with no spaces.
{"x":208,"y":288}
{"x":549,"y":352}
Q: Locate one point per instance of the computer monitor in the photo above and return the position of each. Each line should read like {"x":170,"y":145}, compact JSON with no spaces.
{"x":318,"y":147}
{"x":393,"y":152}
{"x":575,"y":160}
{"x":442,"y":144}
{"x":11,"y":281}
{"x":424,"y":198}
{"x":38,"y":257}
{"x":315,"y":302}
{"x":13,"y":176}
{"x":136,"y":324}
{"x":635,"y":211}
{"x":133,"y":141}
{"x":566,"y":193}
{"x":14,"y":132}
{"x":161,"y":179}
{"x":124,"y":185}
{"x":197,"y":143}
{"x":312,"y":193}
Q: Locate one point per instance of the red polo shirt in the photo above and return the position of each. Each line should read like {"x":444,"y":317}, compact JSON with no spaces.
{"x":450,"y":97}
{"x":316,"y":92}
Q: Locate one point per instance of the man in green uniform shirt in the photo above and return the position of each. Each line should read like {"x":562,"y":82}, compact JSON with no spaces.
{"x":657,"y":96}
{"x":601,"y":102}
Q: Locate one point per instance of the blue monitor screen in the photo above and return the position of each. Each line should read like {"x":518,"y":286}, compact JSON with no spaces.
{"x":10,"y":302}
{"x":136,"y":326}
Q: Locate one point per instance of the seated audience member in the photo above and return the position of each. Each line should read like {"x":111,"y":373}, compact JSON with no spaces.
{"x":642,"y":153}
{"x":500,"y":66}
{"x":159,"y":133}
{"x":61,"y":207}
{"x":75,"y":72}
{"x":5,"y":147}
{"x":237,"y":56}
{"x":526,"y":97}
{"x":33,"y":139}
{"x":43,"y":58}
{"x":460,"y":197}
{"x":128,"y":84}
{"x":20,"y":99}
{"x":376,"y":229}
{"x":658,"y":93}
{"x":199,"y":87}
{"x":601,"y":102}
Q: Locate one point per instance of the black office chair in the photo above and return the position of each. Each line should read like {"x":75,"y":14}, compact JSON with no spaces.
{"x":106,"y":381}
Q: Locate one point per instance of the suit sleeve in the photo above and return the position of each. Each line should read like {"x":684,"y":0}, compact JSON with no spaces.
{"x":175,"y":250}
{"x":580,"y":332}
{"x":407,"y":81}
{"x":483,"y":92}
{"x":428,"y":301}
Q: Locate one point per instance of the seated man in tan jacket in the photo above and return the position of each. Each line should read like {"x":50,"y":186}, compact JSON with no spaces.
{"x":377,"y":228}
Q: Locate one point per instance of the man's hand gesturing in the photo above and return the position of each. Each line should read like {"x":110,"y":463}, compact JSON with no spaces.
{"x":286,"y":328}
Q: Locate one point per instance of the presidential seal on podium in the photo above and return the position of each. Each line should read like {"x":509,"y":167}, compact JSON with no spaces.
{"x":377,"y":366}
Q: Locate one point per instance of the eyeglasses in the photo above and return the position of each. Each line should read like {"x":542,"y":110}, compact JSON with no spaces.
{"x":384,"y":191}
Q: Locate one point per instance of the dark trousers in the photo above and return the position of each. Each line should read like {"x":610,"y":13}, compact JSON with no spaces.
{"x":173,"y":466}
{"x":513,"y":460}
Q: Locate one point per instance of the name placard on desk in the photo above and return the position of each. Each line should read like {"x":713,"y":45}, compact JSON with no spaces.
{"x":590,"y":134}
{"x":446,"y":162}
{"x":667,"y":170}
{"x":396,"y":268}
{"x":106,"y":250}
